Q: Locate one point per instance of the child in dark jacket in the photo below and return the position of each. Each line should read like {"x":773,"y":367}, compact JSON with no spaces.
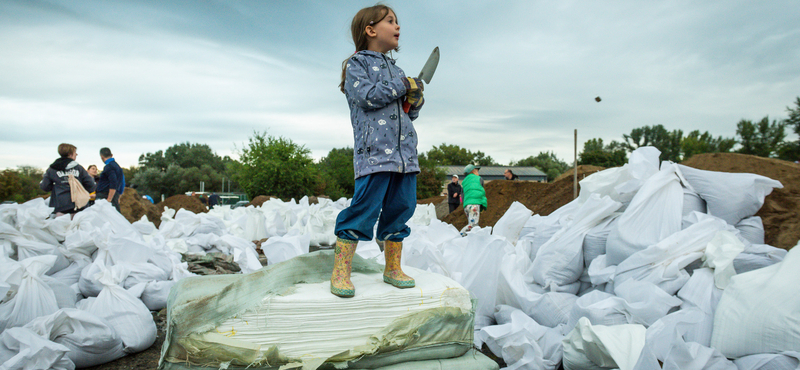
{"x":385,"y":149}
{"x":56,"y":180}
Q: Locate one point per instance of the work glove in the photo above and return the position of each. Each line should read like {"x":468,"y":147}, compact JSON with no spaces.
{"x":413,"y":84}
{"x":414,"y":88}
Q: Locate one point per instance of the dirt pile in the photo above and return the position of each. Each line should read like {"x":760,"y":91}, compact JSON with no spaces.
{"x":186,"y":202}
{"x":259,"y":200}
{"x":780,"y":213}
{"x":781,"y":210}
{"x":133,"y":207}
{"x":541,"y":198}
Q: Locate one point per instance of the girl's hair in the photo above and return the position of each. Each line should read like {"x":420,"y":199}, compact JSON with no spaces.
{"x":365,"y":17}
{"x":65,"y":150}
{"x":90,"y":167}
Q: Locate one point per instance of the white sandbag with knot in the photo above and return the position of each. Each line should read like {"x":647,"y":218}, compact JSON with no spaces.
{"x":33,"y":297}
{"x":730,"y":196}
{"x":559,"y":262}
{"x":129,"y":317}
{"x":654,"y":214}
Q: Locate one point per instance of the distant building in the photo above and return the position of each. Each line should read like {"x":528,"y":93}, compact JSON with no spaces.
{"x":489,"y":173}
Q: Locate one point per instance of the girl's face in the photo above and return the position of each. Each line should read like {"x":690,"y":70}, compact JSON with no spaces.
{"x":92,"y":171}
{"x":385,"y":35}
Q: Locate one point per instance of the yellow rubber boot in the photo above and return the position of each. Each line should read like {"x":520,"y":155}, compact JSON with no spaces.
{"x":340,"y":278}
{"x":393,"y":274}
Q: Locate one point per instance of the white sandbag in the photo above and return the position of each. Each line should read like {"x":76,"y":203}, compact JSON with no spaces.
{"x":730,"y":196}
{"x":91,"y":340}
{"x":143,"y":273}
{"x":33,"y":298}
{"x":758,"y":309}
{"x":510,"y":225}
{"x":757,"y":256}
{"x":27,"y":248}
{"x":769,"y":361}
{"x":144,"y":226}
{"x":521,"y":341}
{"x":31,"y":221}
{"x":594,"y":243}
{"x":692,"y":202}
{"x":622,"y":183}
{"x":244,"y":252}
{"x":752,"y":229}
{"x":662,"y":264}
{"x":155,"y":294}
{"x":603,"y":347}
{"x":72,"y":273}
{"x":474,"y":262}
{"x":600,"y":308}
{"x":281,"y":248}
{"x":126,"y":314}
{"x":701,"y":293}
{"x":664,"y":333}
{"x":423,"y":214}
{"x":209,"y":225}
{"x":65,"y":297}
{"x":559,"y":262}
{"x":22,"y":349}
{"x":550,"y":309}
{"x":719,"y":255}
{"x":322,"y":221}
{"x":653,"y":214}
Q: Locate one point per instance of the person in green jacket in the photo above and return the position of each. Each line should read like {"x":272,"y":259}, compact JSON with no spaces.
{"x":474,"y":197}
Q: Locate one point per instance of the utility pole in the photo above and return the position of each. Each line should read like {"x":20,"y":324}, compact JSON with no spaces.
{"x":575,"y":167}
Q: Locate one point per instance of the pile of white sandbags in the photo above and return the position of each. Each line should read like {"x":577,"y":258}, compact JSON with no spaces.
{"x":80,"y":291}
{"x":649,"y":265}
{"x":654,"y":263}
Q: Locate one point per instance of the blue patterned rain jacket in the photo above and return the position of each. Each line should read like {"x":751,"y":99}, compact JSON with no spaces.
{"x":385,"y":139}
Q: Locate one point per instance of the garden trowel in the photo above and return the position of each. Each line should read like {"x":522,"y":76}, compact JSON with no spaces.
{"x":427,"y":72}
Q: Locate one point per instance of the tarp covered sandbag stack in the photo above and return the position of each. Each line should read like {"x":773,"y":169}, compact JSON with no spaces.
{"x":285,"y":314}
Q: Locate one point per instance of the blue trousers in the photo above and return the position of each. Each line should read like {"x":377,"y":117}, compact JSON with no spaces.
{"x":391,"y":195}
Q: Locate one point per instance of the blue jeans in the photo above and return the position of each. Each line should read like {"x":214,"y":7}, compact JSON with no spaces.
{"x":391,"y":195}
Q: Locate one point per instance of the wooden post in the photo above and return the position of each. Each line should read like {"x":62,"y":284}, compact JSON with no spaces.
{"x":575,"y":167}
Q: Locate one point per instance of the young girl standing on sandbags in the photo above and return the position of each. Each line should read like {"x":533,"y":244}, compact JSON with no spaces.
{"x":385,"y":149}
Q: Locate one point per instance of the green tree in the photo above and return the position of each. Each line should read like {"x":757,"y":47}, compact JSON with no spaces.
{"x":794,"y":116}
{"x":177,"y":170}
{"x":429,"y":179}
{"x":790,"y":150}
{"x":595,"y":154}
{"x":697,"y":143}
{"x":20,"y":185}
{"x":762,"y":139}
{"x":336,"y":171}
{"x":452,"y":155}
{"x":277,"y":166}
{"x":546,"y":162}
{"x":668,"y":142}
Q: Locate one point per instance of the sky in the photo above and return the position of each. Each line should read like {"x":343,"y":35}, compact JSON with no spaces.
{"x":515,"y":78}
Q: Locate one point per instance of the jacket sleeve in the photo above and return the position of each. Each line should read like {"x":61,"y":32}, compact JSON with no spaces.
{"x":366,"y":86}
{"x":47,"y":182}
{"x":86,"y":179}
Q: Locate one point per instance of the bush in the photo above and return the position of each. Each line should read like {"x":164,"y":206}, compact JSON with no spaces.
{"x":275,"y":166}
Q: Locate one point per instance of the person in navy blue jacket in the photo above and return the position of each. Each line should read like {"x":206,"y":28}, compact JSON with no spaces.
{"x":385,"y":150}
{"x":112,"y":180}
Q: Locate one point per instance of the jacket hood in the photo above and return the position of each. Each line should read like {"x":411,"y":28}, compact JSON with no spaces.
{"x":376,"y":54}
{"x":62,"y":164}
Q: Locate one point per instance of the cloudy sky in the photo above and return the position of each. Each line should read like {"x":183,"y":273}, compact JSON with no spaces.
{"x":515,"y":77}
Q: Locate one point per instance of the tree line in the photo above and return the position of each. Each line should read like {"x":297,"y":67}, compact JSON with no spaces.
{"x":278,"y":166}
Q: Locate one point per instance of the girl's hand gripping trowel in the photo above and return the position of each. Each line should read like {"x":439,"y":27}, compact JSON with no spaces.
{"x":427,"y":72}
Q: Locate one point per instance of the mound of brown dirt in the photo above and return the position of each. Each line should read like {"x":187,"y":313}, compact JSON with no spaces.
{"x":186,"y":202}
{"x":133,"y":207}
{"x":781,"y":210}
{"x":259,"y":200}
{"x":583,"y":171}
{"x":541,"y":198}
